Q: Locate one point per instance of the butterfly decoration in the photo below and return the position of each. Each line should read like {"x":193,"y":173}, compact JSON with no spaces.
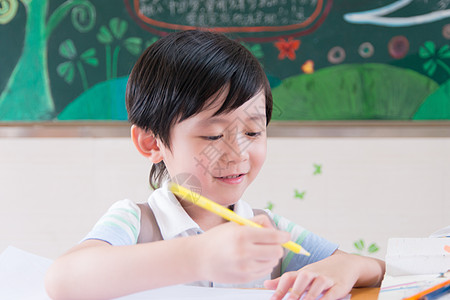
{"x":287,"y":48}
{"x":317,"y":169}
{"x":299,"y":195}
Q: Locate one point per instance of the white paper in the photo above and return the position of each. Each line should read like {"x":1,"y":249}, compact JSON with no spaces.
{"x":22,"y":275}
{"x":194,"y":292}
{"x":399,"y":287}
{"x":414,"y":265}
{"x":417,"y":256}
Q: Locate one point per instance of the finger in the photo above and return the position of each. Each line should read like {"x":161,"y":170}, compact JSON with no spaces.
{"x":263,"y":273}
{"x":256,"y":270}
{"x":302,"y":282}
{"x":318,"y":286}
{"x":334,"y":293}
{"x":263,"y":252}
{"x":259,"y":266}
{"x":267,"y":236}
{"x":283,"y":286}
{"x":271,"y":284}
{"x":262,"y":220}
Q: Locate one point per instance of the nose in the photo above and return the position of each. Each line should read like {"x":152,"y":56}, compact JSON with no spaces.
{"x":235,"y":148}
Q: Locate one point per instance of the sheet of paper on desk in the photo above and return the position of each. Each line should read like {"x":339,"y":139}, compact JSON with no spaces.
{"x":22,"y":275}
{"x":414,"y":256}
{"x":414,"y":265}
{"x":22,"y":278}
{"x":194,"y":292}
{"x":399,"y":287}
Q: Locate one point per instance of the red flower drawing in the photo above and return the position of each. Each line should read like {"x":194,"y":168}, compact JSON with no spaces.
{"x":287,"y":48}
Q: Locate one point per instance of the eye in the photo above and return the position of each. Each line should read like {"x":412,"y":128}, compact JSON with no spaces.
{"x":213,"y":137}
{"x":253,"y":134}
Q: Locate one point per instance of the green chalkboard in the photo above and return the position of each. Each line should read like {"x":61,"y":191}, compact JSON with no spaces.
{"x":325,"y":59}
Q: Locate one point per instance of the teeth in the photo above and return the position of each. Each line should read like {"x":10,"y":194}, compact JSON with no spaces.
{"x":233,"y":176}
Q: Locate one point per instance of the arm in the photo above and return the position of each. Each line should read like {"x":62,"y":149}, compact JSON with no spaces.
{"x":334,"y":276}
{"x":94,"y":269}
{"x":227,"y":253}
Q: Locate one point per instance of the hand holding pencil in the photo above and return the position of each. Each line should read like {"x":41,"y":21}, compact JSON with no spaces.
{"x":225,"y":213}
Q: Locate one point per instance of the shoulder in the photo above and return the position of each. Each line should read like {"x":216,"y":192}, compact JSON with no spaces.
{"x":125,"y":205}
{"x":127,"y":210}
{"x":120,"y":225}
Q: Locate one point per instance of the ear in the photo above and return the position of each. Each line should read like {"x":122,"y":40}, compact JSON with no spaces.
{"x":146,"y":143}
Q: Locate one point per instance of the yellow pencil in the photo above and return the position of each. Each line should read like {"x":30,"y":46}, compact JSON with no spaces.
{"x":225,"y":213}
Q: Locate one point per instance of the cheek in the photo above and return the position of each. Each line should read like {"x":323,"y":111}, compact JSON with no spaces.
{"x":259,"y":154}
{"x":182,"y":159}
{"x":200,"y":159}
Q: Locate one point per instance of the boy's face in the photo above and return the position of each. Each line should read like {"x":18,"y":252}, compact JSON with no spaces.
{"x":225,"y":152}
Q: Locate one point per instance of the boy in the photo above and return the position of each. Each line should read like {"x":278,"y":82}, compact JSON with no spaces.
{"x":199,"y":104}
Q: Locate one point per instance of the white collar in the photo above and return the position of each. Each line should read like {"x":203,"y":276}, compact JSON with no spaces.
{"x":243,"y":209}
{"x":173,"y":220}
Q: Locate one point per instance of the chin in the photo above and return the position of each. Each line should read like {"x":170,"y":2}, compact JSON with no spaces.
{"x":231,"y":199}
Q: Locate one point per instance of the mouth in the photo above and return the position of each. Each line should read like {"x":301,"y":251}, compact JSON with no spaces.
{"x":231,"y":179}
{"x":231,"y":176}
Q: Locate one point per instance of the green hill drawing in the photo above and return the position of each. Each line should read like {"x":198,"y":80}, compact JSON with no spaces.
{"x":104,"y":101}
{"x":353,"y":92}
{"x":436,"y":106}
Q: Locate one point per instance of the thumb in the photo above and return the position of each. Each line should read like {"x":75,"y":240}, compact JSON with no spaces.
{"x":263,"y":220}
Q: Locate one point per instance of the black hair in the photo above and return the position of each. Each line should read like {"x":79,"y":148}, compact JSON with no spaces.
{"x":176,"y":76}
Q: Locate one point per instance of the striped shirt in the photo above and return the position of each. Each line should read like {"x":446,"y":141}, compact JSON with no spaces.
{"x":120,"y":225}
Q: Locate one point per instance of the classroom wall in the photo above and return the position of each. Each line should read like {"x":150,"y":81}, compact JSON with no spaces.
{"x":52,"y":190}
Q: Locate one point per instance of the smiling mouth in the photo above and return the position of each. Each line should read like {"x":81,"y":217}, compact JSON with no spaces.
{"x":232,"y":179}
{"x":231,"y":176}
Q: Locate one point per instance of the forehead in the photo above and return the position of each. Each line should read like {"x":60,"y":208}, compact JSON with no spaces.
{"x":253,"y":109}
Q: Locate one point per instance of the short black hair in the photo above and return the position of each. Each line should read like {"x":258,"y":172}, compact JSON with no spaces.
{"x":176,"y":76}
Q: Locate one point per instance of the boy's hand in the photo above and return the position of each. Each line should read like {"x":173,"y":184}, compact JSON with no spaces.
{"x":333,"y":276}
{"x":231,"y":253}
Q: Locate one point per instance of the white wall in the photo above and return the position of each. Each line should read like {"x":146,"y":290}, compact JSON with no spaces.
{"x":52,"y":190}
{"x":370,"y":188}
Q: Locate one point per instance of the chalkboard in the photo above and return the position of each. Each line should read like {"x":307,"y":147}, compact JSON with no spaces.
{"x":325,"y":59}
